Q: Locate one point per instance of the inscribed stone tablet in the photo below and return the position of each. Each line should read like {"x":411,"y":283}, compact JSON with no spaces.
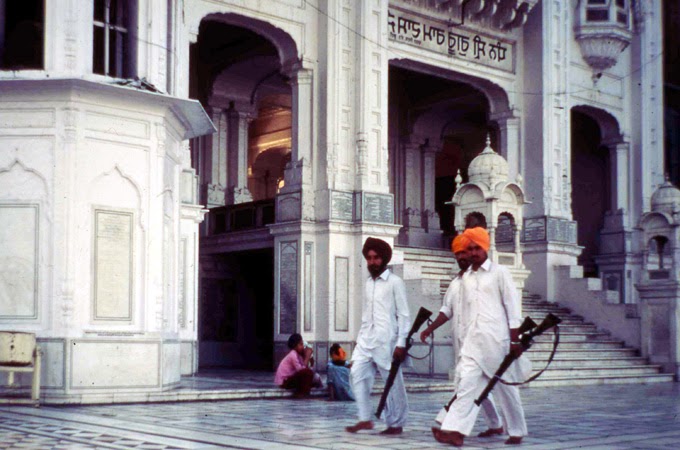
{"x":18,"y":261}
{"x":341,"y":205}
{"x":378,"y":208}
{"x":113,"y":265}
{"x":288,"y":288}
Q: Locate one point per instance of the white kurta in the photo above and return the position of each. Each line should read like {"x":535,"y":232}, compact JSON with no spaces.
{"x":457,"y":312}
{"x":489,"y":307}
{"x":385,"y":323}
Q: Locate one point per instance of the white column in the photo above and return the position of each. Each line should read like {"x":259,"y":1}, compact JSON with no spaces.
{"x":214,"y":176}
{"x":651,"y":108}
{"x":429,"y":154}
{"x":619,"y":174}
{"x":298,"y":171}
{"x":509,"y":143}
{"x":371,"y":69}
{"x":413,"y":183}
{"x":237,"y":154}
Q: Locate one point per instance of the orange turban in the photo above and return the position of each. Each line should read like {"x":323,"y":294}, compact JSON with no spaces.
{"x":479,"y":236}
{"x":459,"y":243}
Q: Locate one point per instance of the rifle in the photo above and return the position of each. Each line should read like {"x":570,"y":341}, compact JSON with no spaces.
{"x":527,"y":325}
{"x":423,"y":315}
{"x":528,"y":330}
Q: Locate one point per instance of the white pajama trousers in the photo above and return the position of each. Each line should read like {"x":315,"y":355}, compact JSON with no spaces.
{"x":363,"y":377}
{"x":463,"y":412}
{"x":489,"y":413}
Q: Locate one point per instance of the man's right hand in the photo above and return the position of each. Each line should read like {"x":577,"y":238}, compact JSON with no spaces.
{"x":425,"y":334}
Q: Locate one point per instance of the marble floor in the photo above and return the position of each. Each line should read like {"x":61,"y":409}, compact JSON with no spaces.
{"x":584,"y":417}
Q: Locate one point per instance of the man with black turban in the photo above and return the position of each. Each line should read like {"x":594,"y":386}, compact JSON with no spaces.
{"x":385,"y":324}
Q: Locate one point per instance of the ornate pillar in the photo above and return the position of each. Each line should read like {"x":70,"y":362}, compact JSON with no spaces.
{"x":619,"y":174}
{"x":214,"y":155}
{"x":412,"y":198}
{"x":430,"y":216}
{"x":237,"y":145}
{"x":296,"y":199}
{"x":509,"y":142}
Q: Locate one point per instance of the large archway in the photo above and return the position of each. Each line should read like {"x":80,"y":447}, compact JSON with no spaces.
{"x":240,"y":71}
{"x":438,"y":123}
{"x":591,"y":185}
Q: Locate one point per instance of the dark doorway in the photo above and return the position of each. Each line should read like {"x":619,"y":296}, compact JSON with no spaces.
{"x":236,"y":311}
{"x":590,"y":192}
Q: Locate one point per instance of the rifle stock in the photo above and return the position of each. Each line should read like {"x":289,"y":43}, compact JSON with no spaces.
{"x":528,"y":332}
{"x":423,"y":315}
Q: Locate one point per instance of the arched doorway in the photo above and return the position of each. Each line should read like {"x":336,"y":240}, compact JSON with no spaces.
{"x":240,"y":73}
{"x":437,"y":126}
{"x":591,"y":183}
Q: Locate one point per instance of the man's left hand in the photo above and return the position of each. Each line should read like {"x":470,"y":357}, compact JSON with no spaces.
{"x":399,"y":354}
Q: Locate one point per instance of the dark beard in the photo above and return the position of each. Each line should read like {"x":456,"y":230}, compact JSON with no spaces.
{"x":375,"y":271}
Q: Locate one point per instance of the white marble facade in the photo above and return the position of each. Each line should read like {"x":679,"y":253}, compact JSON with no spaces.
{"x":100,"y":205}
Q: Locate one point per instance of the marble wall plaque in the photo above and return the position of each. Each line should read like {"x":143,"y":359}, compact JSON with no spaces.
{"x":377,"y":208}
{"x":342,"y":205}
{"x":308,"y":274}
{"x":288,"y":287}
{"x":181,"y":285}
{"x":504,"y":231}
{"x":114,"y":364}
{"x":341,"y":293}
{"x":113,"y":265}
{"x":19,"y":261}
{"x":288,"y":207}
{"x":534,"y":229}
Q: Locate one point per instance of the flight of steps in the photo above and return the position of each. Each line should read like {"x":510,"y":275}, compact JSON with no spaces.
{"x":585,"y":355}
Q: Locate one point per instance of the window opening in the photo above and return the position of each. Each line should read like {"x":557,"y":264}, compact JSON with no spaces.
{"x":112,"y":47}
{"x":22,"y":34}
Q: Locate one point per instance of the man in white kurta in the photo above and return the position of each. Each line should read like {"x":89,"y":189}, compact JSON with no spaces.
{"x":385,"y":324}
{"x":490,"y":315}
{"x":454,"y":309}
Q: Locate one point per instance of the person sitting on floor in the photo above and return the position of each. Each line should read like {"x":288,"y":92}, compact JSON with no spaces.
{"x":294,"y":372}
{"x":338,"y":375}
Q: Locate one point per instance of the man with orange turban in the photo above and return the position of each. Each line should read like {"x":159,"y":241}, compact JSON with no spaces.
{"x":454,"y":306}
{"x":490,"y":315}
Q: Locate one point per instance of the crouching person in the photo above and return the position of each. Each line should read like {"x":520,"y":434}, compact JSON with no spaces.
{"x":294,"y":372}
{"x":338,"y":375}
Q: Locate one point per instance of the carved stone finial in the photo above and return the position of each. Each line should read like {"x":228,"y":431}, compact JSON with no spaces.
{"x":459,"y":178}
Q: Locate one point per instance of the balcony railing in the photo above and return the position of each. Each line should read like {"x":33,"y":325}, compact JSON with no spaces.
{"x":241,"y":217}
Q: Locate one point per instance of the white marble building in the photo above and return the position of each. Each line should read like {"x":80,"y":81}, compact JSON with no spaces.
{"x":303,"y":126}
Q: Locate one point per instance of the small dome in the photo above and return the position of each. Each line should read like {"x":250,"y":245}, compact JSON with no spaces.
{"x":666,"y":198}
{"x":488,"y":167}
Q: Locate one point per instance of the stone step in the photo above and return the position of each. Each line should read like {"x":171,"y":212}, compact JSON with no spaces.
{"x":563,"y":362}
{"x":590,"y":345}
{"x":540,"y":353}
{"x":588,"y":380}
{"x":613,"y":371}
{"x":573,"y":337}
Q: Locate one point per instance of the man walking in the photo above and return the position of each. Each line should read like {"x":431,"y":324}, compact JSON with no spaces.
{"x":385,"y":324}
{"x":493,"y":316}
{"x":454,"y":308}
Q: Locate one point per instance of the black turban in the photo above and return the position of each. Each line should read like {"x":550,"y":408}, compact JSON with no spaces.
{"x":379,"y":246}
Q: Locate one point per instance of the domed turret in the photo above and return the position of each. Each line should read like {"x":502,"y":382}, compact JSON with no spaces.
{"x":488,"y":167}
{"x":666,"y":198}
